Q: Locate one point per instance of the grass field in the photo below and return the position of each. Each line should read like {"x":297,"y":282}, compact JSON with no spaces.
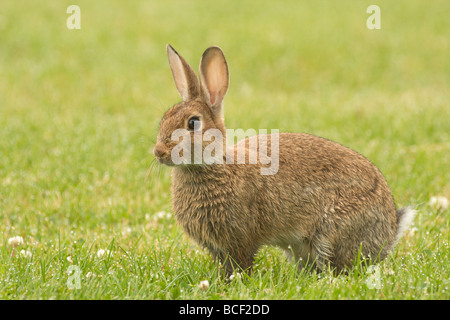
{"x":79,"y":114}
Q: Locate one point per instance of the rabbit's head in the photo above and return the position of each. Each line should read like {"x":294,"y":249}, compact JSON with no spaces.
{"x":200,"y":110}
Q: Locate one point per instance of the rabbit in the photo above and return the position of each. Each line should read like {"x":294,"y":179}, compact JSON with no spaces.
{"x":325,"y":204}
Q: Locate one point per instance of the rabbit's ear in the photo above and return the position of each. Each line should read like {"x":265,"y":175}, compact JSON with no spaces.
{"x":214,"y":78}
{"x":185,"y":79}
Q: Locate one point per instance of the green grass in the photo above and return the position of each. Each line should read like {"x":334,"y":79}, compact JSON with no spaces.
{"x":79,"y":113}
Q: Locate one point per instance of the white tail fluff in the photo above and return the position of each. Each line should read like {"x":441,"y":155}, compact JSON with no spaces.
{"x":405,"y":217}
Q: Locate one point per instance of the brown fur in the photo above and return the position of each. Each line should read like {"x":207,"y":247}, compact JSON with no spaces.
{"x":324,"y":203}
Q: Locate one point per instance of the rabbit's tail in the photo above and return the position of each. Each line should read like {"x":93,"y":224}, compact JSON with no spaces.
{"x":405,"y":217}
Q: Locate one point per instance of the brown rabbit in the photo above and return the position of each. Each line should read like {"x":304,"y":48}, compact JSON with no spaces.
{"x":323,"y":204}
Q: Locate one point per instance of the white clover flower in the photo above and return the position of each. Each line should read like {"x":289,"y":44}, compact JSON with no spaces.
{"x":440,"y":203}
{"x":15,"y":241}
{"x":102,"y":252}
{"x":163,"y":215}
{"x":236,"y":275}
{"x":25,"y":254}
{"x":204,"y":285}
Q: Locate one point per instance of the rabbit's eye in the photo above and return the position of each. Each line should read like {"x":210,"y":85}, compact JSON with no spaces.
{"x":194,"y":123}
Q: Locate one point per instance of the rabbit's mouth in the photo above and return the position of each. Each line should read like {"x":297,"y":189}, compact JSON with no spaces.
{"x":165,"y":161}
{"x":162,"y":155}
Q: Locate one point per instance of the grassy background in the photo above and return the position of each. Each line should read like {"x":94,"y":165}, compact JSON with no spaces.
{"x":79,"y":111}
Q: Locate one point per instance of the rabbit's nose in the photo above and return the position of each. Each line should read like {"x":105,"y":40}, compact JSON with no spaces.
{"x":158,"y":150}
